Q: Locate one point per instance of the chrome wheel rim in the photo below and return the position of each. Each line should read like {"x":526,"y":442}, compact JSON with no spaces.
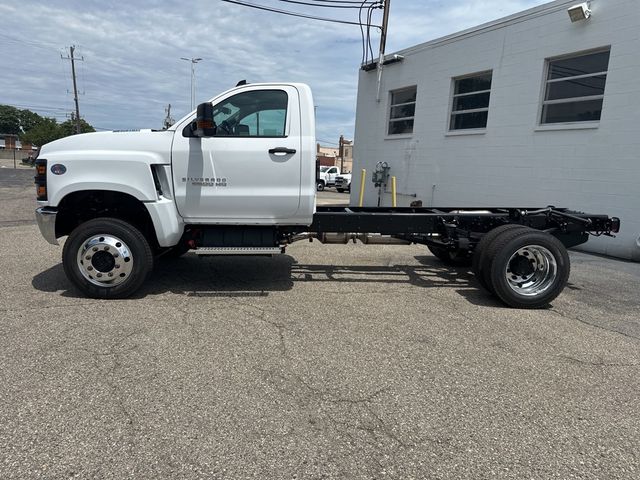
{"x":105,"y":260}
{"x":531,"y":270}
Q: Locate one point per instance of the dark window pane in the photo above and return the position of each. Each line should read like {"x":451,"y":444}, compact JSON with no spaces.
{"x":463,"y":121}
{"x":473,"y":84}
{"x":582,"y":65}
{"x":256,"y":113}
{"x":586,"y":111}
{"x":581,"y":87}
{"x":403,"y":111}
{"x":401,"y":126}
{"x":470,"y":102}
{"x":404,"y":96}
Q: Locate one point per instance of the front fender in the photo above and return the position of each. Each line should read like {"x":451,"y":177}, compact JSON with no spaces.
{"x":127,"y":176}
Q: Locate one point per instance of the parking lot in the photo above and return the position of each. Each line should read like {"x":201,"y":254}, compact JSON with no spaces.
{"x":327,"y":362}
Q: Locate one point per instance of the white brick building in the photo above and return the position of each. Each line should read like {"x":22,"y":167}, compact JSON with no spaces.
{"x":528,"y":110}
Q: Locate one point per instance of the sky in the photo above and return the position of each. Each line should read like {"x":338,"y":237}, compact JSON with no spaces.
{"x":131,"y":68}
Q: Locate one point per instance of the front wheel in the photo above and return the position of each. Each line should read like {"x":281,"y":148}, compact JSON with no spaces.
{"x":107,"y":258}
{"x":320,"y":185}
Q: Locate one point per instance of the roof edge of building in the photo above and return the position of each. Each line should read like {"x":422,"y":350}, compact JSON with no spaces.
{"x":540,"y":10}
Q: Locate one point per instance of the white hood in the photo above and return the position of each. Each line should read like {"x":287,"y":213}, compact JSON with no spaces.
{"x":156,"y":143}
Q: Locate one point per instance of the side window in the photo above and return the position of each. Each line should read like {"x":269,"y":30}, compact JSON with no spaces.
{"x":574,"y":89}
{"x":470,"y":104}
{"x":333,"y":170}
{"x":259,"y":113}
{"x":402,"y":111}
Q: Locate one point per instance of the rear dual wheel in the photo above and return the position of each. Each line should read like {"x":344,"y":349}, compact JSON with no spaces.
{"x":480,"y":256}
{"x":523,"y":267}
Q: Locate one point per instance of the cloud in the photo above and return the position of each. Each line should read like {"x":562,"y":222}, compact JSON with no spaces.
{"x":132,"y":67}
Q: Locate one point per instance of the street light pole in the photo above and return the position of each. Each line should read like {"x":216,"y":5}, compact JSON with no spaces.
{"x":193,"y":78}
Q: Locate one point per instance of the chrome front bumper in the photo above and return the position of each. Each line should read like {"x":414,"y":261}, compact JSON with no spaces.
{"x":46,"y":218}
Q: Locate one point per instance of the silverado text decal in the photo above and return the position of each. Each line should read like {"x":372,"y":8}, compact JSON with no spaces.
{"x":206,"y":181}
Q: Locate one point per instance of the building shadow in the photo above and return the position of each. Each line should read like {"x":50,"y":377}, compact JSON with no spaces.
{"x":258,"y":276}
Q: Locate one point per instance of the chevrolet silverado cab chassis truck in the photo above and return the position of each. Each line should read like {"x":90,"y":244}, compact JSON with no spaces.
{"x":238,"y":177}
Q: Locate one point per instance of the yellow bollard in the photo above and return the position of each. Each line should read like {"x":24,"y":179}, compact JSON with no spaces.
{"x":394,"y":203}
{"x":363,"y":177}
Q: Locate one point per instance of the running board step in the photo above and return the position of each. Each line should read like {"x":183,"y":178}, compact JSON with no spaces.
{"x":238,"y":251}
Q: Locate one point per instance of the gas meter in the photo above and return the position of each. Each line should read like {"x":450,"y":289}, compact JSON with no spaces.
{"x":380,"y":175}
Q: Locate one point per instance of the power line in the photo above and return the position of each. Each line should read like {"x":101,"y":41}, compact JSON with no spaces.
{"x":332,"y":5}
{"x":357,"y":2}
{"x":293,"y":14}
{"x":327,"y":141}
{"x":36,"y":107}
{"x":46,"y":46}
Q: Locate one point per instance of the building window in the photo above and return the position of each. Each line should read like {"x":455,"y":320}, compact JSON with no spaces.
{"x":574,"y":88}
{"x":402,"y":111}
{"x":470,"y":105}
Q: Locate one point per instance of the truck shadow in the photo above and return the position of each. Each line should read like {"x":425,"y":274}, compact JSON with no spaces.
{"x":258,"y":276}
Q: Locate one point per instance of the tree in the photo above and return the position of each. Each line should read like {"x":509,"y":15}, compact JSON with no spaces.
{"x":46,"y":131}
{"x":10,"y":120}
{"x":35,"y":129}
{"x":17,"y":122}
{"x":69,"y":127}
{"x":29,"y":120}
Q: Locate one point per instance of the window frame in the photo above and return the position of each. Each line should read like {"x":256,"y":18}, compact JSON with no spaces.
{"x":546,"y":81}
{"x":286,"y":113}
{"x":391,"y":106}
{"x":452,"y":98}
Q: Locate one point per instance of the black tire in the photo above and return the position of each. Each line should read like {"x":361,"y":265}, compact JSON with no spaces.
{"x":320,"y":185}
{"x":130,"y":243}
{"x":479,"y":255}
{"x":340,"y":190}
{"x":458,"y":258}
{"x":543,"y":256}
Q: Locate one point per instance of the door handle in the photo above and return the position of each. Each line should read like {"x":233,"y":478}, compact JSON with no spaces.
{"x":282,"y":150}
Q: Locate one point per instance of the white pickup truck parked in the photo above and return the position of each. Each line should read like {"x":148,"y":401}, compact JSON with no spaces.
{"x":327,"y":177}
{"x":238,"y":177}
{"x":343,"y":182}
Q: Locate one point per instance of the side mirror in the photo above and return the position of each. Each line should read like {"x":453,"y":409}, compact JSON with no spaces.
{"x":204,"y":121}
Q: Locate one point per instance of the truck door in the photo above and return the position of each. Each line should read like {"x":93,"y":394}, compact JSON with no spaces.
{"x":332,"y":173}
{"x":249,"y":169}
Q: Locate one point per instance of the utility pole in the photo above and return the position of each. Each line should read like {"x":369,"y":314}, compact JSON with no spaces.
{"x":383,"y":42}
{"x":72,"y":49}
{"x":193,"y":78}
{"x":341,"y":152}
{"x":168,"y":120}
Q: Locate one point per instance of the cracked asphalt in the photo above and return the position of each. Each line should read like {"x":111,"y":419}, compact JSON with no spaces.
{"x":335,"y":362}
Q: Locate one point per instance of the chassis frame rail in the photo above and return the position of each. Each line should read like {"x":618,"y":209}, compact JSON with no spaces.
{"x":460,"y":227}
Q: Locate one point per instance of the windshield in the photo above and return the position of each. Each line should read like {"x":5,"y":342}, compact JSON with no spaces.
{"x":324,"y":169}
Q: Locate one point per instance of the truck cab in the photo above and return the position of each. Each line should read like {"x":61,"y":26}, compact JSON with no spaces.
{"x":256,"y":162}
{"x":254,"y":165}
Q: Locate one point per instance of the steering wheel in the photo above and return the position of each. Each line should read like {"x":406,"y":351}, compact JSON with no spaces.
{"x":225,"y":128}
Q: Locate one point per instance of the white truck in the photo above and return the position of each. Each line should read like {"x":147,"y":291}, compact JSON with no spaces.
{"x":327,"y":177}
{"x":343,"y":182}
{"x":237,"y":177}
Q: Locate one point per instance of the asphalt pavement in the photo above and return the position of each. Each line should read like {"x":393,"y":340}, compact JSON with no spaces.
{"x":335,"y":362}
